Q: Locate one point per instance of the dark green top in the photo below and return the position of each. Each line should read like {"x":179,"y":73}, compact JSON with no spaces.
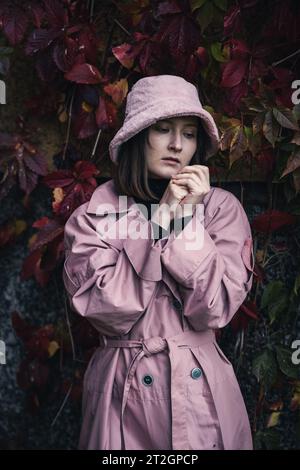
{"x":158,"y":187}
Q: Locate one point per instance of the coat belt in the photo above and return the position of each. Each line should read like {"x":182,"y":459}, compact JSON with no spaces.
{"x":148,"y":347}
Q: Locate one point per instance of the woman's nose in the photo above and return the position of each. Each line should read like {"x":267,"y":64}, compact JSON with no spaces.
{"x":175,"y":141}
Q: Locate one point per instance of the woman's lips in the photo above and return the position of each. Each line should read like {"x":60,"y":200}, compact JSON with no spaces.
{"x":170,"y":161}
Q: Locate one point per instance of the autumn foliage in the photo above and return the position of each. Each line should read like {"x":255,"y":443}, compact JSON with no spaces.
{"x":244,"y":58}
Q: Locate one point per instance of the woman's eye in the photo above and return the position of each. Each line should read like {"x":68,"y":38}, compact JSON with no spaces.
{"x":190,"y":136}
{"x":165,"y":129}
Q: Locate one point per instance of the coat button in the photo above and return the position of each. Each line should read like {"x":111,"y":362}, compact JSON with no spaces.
{"x":148,"y":380}
{"x":177,"y":304}
{"x":196,"y":373}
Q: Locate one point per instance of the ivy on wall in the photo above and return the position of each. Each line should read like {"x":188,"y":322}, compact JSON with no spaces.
{"x":244,"y":58}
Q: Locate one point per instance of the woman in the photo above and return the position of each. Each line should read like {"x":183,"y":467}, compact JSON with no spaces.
{"x":157,"y":283}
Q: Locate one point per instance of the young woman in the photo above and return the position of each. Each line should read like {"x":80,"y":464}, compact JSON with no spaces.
{"x":157,"y":260}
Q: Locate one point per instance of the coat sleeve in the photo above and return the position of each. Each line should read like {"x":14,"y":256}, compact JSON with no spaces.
{"x":215,"y":277}
{"x":109,"y":285}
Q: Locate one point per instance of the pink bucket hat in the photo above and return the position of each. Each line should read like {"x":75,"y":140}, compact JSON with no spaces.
{"x":159,"y":97}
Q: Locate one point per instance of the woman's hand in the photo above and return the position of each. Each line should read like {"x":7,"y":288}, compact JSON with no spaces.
{"x":168,"y":205}
{"x":173,"y":194}
{"x":195,"y":178}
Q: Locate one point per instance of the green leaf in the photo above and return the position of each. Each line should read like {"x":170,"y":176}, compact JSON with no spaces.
{"x":238,"y":145}
{"x":271,"y":128}
{"x":257,"y":123}
{"x":284,"y":358}
{"x":275,"y":297}
{"x":206,"y":15}
{"x":209,"y":108}
{"x":297,"y":284}
{"x":222,"y":4}
{"x":292,"y":164}
{"x":264,"y":368}
{"x":276,"y":309}
{"x":217,"y":53}
{"x":248,"y":132}
{"x":6,"y":51}
{"x":288,"y":147}
{"x":196,"y":4}
{"x":270,"y":291}
{"x":296,"y":111}
{"x":253,"y":103}
{"x":286,"y":118}
{"x":268,"y":440}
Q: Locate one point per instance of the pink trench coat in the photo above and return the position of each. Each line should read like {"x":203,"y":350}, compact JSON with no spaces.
{"x":159,"y":380}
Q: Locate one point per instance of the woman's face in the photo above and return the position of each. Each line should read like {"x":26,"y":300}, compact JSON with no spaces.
{"x":174,"y":137}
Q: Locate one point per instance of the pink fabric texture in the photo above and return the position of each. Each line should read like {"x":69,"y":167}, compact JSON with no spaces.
{"x":157,"y":97}
{"x":159,"y":380}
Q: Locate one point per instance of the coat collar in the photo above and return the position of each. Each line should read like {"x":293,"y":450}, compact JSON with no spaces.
{"x":105,"y":200}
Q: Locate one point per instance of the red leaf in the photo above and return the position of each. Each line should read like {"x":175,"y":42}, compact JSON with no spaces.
{"x":7,"y":233}
{"x":15,"y":22}
{"x":84,"y":73}
{"x":23,"y":181}
{"x":250,"y":309}
{"x":54,"y":253}
{"x":241,"y":319}
{"x":48,"y":233}
{"x":85,"y":169}
{"x":88,"y":43}
{"x":234,"y":72}
{"x":36,"y":163}
{"x":55,"y":13}
{"x":180,"y":33}
{"x":39,"y":39}
{"x":32,"y":403}
{"x":232,"y":21}
{"x":64,"y":53}
{"x":126,"y":53}
{"x":37,"y":345}
{"x":238,"y":49}
{"x":40,"y":223}
{"x":32,"y":180}
{"x":106,"y":114}
{"x":42,"y":277}
{"x":77,"y":189}
{"x":29,"y":264}
{"x":23,"y":330}
{"x":38,"y":14}
{"x":84,"y":124}
{"x":59,"y":179}
{"x":266,"y":161}
{"x":202,"y":55}
{"x":45,"y":66}
{"x":168,"y":8}
{"x":272,"y":220}
{"x":32,"y":373}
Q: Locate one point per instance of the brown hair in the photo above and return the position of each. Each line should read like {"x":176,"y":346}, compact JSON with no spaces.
{"x":131,"y":174}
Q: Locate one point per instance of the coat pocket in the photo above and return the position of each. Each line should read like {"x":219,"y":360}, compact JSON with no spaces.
{"x":221,"y":353}
{"x":226,"y":370}
{"x":248,"y":260}
{"x":194,"y":376}
{"x":98,"y":384}
{"x":69,"y":282}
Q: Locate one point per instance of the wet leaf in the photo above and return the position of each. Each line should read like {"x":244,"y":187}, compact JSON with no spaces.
{"x":265,"y":368}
